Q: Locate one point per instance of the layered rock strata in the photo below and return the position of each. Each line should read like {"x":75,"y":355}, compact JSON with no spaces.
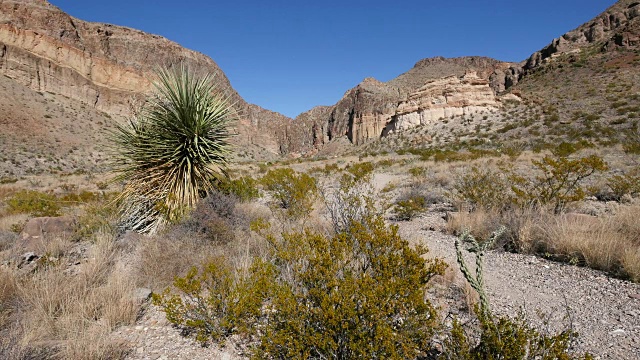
{"x":108,"y":67}
{"x":433,"y":88}
{"x":442,"y":98}
{"x":436,"y":100}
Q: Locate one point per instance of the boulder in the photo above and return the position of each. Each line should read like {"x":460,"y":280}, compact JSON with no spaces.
{"x":41,"y":229}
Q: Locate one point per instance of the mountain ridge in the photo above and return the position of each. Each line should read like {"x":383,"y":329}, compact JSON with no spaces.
{"x":107,"y":67}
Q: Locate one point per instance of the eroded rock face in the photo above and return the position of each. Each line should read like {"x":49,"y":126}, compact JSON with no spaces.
{"x":616,"y":26}
{"x":432,"y":89}
{"x":108,"y":67}
{"x":373,"y":109}
{"x":439,"y":99}
{"x":99,"y":64}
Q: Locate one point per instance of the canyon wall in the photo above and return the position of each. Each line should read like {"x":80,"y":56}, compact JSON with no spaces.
{"x":108,"y":67}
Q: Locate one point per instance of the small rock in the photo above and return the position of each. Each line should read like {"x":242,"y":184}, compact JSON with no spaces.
{"x":39,"y":229}
{"x":141,"y":294}
{"x":27,"y":258}
{"x":617,"y":332}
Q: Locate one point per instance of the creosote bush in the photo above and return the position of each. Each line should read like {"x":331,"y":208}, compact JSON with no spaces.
{"x":357,"y":294}
{"x":245,"y":188}
{"x":360,"y":170}
{"x":215,"y":303}
{"x":625,"y":184}
{"x":34,"y":203}
{"x":292,"y":191}
{"x":558,"y":183}
{"x":483,"y":188}
{"x":409,"y":206}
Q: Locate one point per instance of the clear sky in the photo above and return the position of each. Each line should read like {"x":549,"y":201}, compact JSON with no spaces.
{"x":291,"y":55}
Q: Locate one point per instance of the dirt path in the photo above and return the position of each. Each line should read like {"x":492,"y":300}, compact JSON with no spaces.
{"x":604,"y":311}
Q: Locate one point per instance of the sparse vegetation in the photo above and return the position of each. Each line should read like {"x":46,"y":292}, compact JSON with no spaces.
{"x":173,"y":150}
{"x":559,"y":182}
{"x":324,"y":295}
{"x":292,"y":191}
{"x":250,"y":259}
{"x":409,"y":206}
{"x":245,"y":188}
{"x":34,"y":203}
{"x":483,"y":188}
{"x":501,"y":337}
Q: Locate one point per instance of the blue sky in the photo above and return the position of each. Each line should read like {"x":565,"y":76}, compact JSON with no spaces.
{"x":289,"y":56}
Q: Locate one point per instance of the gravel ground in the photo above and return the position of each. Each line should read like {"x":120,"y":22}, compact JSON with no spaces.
{"x":153,"y":338}
{"x":604,"y":311}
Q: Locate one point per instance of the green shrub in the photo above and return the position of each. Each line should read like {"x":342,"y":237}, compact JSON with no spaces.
{"x":245,"y":188}
{"x":360,"y":170}
{"x":80,"y":197}
{"x":559,"y":182}
{"x":34,"y":203}
{"x":328,"y":169}
{"x":384,"y":163}
{"x":358,"y":294}
{"x":410,"y":207}
{"x":486,"y":189}
{"x":8,"y":180}
{"x":215,"y":302}
{"x":418,"y":172}
{"x":292,"y":191}
{"x":624,"y":184}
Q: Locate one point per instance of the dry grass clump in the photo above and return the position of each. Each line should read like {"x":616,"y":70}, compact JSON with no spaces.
{"x":483,"y":222}
{"x":8,"y":295}
{"x":161,"y":258}
{"x":7,"y":238}
{"x":631,"y":263}
{"x":70,"y":312}
{"x":610,"y":244}
{"x":219,"y":226}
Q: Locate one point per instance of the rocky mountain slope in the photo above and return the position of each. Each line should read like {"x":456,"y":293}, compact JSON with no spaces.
{"x":606,"y":47}
{"x":373,"y":108}
{"x":107,"y":69}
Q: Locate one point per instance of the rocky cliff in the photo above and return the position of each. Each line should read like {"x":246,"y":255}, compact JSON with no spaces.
{"x":434,"y":88}
{"x":442,"y":98}
{"x":619,"y":25}
{"x":108,"y":67}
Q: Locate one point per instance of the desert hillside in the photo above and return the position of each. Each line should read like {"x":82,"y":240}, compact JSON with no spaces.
{"x":467,"y":209}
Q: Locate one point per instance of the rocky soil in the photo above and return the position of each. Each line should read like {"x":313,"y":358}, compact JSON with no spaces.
{"x":603,"y":310}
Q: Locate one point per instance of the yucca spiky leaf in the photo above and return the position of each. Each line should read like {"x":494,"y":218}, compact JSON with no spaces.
{"x":173,"y":150}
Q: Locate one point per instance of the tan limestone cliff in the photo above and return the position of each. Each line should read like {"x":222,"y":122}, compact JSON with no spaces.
{"x":435,"y":100}
{"x":442,"y":98}
{"x":108,"y":67}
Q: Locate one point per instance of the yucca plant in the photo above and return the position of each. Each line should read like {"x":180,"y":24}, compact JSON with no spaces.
{"x":173,"y":150}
